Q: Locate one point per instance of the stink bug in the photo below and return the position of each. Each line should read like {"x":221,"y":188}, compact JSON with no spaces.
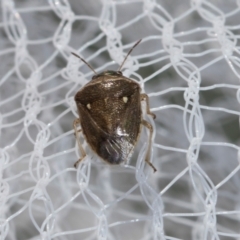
{"x":110,"y":115}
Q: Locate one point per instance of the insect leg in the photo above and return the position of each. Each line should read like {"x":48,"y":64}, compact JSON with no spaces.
{"x":147,"y":159}
{"x":145,"y":97}
{"x":76,"y":122}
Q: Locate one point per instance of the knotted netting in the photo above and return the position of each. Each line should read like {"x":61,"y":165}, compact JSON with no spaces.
{"x":188,"y":63}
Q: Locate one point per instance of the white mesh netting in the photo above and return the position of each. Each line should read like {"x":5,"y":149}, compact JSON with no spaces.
{"x":188,"y":62}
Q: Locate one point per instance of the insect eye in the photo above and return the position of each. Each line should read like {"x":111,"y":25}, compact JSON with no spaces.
{"x":119,"y":72}
{"x":94,"y":76}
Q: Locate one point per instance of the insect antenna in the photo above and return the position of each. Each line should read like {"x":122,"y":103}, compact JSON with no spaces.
{"x":129,"y":53}
{"x":74,"y":54}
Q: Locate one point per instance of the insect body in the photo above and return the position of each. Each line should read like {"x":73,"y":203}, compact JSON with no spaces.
{"x":110,"y":113}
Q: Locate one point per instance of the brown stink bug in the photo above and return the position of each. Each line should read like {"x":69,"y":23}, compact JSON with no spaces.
{"x":110,"y":115}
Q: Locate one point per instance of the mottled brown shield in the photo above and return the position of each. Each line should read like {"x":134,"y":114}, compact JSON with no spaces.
{"x":110,"y":115}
